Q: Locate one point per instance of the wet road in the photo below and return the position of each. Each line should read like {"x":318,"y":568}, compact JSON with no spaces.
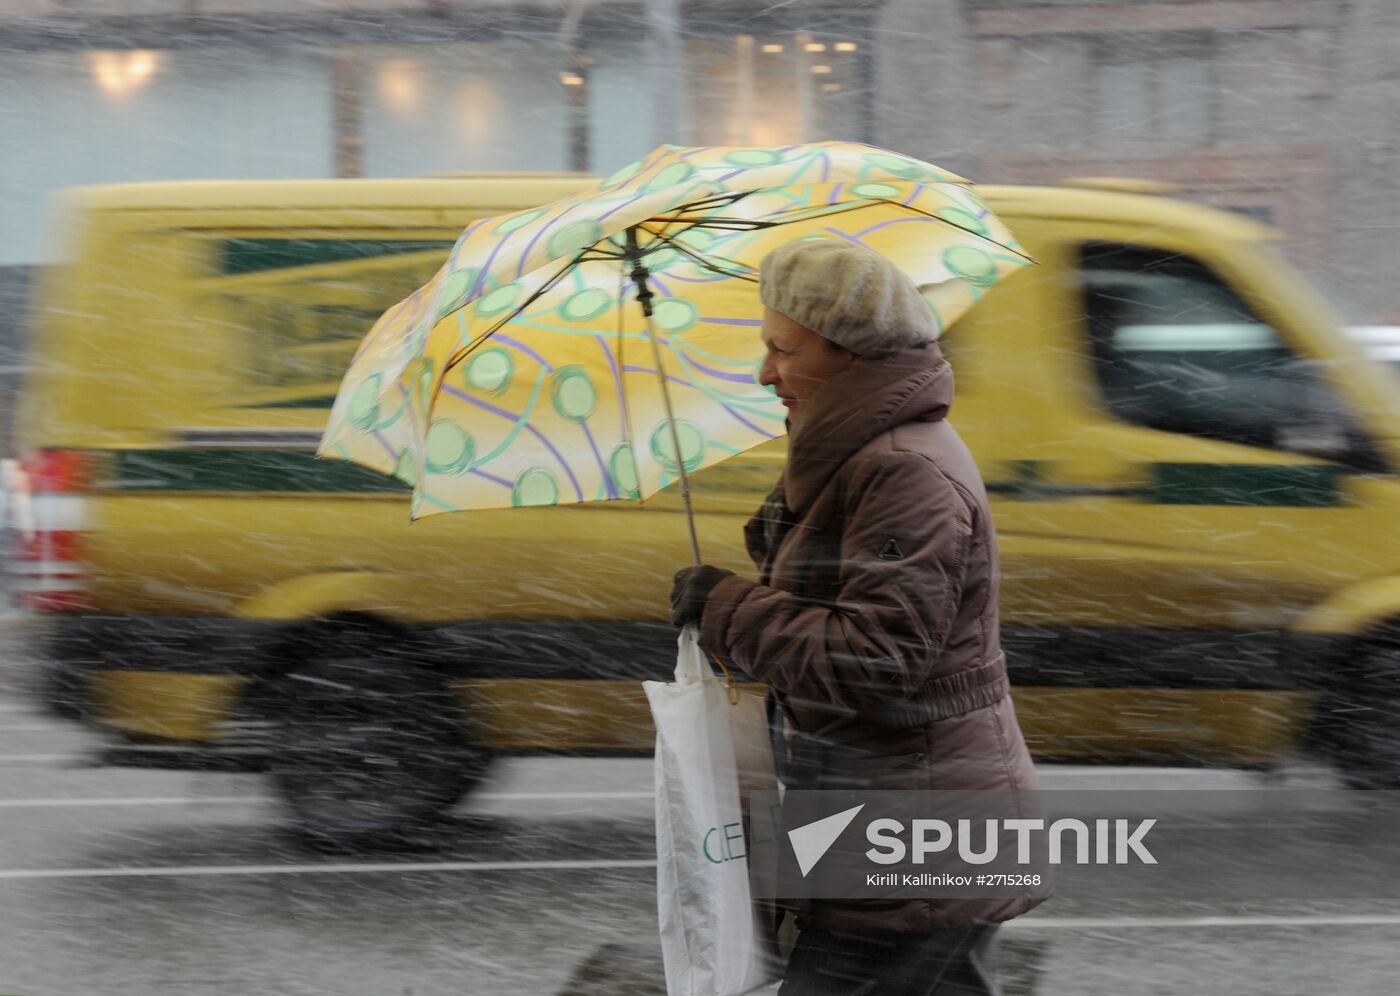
{"x":119,"y":881}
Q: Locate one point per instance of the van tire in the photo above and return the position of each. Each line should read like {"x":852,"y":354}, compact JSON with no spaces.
{"x":1359,"y":726}
{"x":370,"y":749}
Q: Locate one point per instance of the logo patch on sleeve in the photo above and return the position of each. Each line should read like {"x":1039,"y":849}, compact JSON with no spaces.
{"x":891,"y":551}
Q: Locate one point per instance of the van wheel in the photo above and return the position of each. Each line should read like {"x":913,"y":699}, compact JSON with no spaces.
{"x":368,"y":750}
{"x":1360,"y":727}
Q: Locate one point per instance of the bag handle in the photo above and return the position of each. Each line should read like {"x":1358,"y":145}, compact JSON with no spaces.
{"x":692,"y":664}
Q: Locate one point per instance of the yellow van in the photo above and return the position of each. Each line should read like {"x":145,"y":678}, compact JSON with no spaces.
{"x":1193,"y":474}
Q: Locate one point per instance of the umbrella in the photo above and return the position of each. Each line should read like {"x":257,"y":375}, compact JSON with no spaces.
{"x":606,"y":346}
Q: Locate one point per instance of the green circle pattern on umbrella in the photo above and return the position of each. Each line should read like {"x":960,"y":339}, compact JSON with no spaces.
{"x":574,"y":237}
{"x":455,"y":288}
{"x":425,"y":384}
{"x":698,"y":239}
{"x":973,"y":265}
{"x":876,"y":191}
{"x":517,"y":221}
{"x":586,"y":305}
{"x":622,"y":467}
{"x":965,"y":220}
{"x":692,"y":446}
{"x":671,"y":176}
{"x":406,"y":469}
{"x":450,"y":447}
{"x":750,"y":158}
{"x":533,"y":487}
{"x":658,"y":260}
{"x":500,"y":300}
{"x":490,"y":371}
{"x":573,"y":393}
{"x":364,"y":403}
{"x":900,"y":166}
{"x":675,"y":315}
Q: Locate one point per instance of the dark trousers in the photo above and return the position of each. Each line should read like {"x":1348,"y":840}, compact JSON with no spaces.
{"x":943,"y":963}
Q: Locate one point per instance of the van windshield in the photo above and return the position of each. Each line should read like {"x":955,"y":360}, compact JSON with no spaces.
{"x":1175,"y":348}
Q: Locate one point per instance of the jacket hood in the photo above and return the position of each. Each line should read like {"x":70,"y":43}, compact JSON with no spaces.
{"x":868,"y":398}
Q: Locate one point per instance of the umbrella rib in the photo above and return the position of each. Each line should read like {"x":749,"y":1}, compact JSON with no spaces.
{"x":735,"y":224}
{"x":456,"y":358}
{"x":807,"y":214}
{"x":698,"y":258}
{"x":842,"y":210}
{"x":713,"y":201}
{"x":723,"y":224}
{"x":601,"y":257}
{"x":727,"y":224}
{"x":967,"y":231}
{"x":629,"y":433}
{"x":739,"y":225}
{"x":704,"y":202}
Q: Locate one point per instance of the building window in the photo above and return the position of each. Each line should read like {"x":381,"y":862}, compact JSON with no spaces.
{"x":776,"y":89}
{"x":1159,"y":99}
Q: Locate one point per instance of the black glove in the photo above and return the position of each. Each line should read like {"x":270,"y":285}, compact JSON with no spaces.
{"x":691,"y":591}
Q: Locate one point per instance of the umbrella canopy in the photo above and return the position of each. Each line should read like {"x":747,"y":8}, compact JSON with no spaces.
{"x":606,"y":345}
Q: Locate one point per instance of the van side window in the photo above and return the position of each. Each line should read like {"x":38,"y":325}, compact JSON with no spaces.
{"x":302,"y":305}
{"x":1175,"y":349}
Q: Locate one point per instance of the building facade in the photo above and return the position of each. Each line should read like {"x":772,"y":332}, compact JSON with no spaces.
{"x":1287,"y":110}
{"x":1284,"y":109}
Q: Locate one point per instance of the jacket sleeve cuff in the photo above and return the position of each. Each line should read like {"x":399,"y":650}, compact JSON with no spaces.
{"x":724,"y":600}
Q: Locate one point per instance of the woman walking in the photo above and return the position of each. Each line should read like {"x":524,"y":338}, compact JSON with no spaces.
{"x":874,"y":618}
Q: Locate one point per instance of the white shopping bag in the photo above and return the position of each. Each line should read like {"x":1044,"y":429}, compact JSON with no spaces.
{"x":712,"y":751}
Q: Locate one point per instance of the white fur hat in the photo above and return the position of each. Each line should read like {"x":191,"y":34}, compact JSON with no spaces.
{"x":847,"y":294}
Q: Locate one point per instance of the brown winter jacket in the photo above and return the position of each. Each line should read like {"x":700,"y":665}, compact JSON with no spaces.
{"x":875,"y":625}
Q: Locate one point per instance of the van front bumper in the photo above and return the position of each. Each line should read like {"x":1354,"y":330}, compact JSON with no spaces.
{"x":75,"y":651}
{"x":165,"y":691}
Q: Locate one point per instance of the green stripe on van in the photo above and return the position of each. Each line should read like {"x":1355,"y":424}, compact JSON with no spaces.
{"x":301,"y":472}
{"x":295,"y":471}
{"x":1294,"y":486}
{"x":326,"y":401}
{"x":238,"y":256}
{"x":1259,"y":485}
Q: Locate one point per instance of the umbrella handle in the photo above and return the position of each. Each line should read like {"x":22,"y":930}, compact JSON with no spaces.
{"x":639,"y":276}
{"x":675,"y":436}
